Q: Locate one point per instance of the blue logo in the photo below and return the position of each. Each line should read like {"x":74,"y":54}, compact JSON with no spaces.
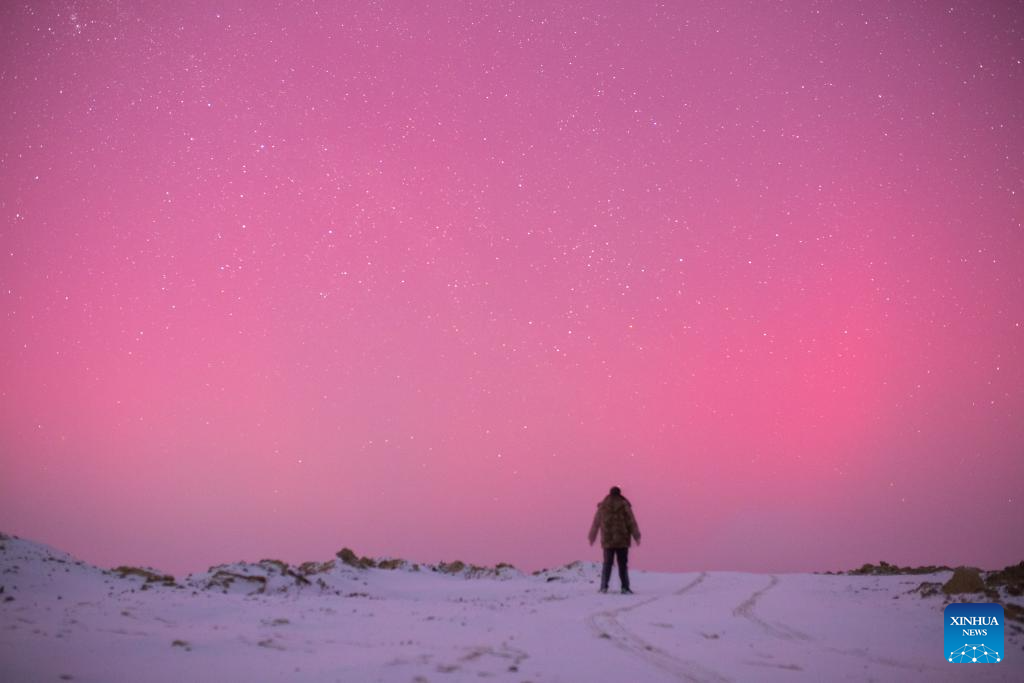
{"x":973,"y":633}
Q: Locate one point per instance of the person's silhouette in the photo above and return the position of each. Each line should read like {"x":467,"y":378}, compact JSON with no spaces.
{"x":614,"y":519}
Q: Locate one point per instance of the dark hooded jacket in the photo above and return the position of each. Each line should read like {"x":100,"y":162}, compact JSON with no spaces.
{"x":614,"y":519}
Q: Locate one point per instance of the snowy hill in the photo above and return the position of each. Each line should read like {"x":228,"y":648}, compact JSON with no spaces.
{"x":357,"y":619}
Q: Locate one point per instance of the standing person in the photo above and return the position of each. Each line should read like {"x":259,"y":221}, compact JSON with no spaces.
{"x":614,"y":518}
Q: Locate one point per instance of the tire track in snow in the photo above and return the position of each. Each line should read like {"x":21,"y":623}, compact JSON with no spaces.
{"x":607,"y":625}
{"x":778,"y":630}
{"x":785,"y":632}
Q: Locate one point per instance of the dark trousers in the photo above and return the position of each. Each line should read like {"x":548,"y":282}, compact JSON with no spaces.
{"x":621,"y":555}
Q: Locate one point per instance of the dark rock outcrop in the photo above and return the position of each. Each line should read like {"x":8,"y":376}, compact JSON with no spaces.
{"x":964,"y":580}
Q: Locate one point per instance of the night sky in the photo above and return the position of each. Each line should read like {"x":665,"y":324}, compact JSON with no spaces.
{"x":426,"y":278}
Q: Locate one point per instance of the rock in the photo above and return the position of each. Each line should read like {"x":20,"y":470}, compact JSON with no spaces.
{"x":927,"y":589}
{"x":282,"y":568}
{"x":147,"y":574}
{"x":1012,"y":578}
{"x":224,"y":580}
{"x":349,"y":557}
{"x":965,"y":580}
{"x":451,"y":567}
{"x":308,"y":568}
{"x":1013,"y":612}
{"x":883,"y":568}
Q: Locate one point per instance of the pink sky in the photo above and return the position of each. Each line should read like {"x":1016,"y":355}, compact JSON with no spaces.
{"x":425,"y":279}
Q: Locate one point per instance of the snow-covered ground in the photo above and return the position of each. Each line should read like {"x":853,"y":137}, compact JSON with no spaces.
{"x":61,"y":619}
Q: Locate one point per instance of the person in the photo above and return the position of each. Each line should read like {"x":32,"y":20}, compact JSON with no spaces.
{"x":614,"y":519}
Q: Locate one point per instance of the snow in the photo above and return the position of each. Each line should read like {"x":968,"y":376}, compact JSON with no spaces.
{"x":62,"y":619}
